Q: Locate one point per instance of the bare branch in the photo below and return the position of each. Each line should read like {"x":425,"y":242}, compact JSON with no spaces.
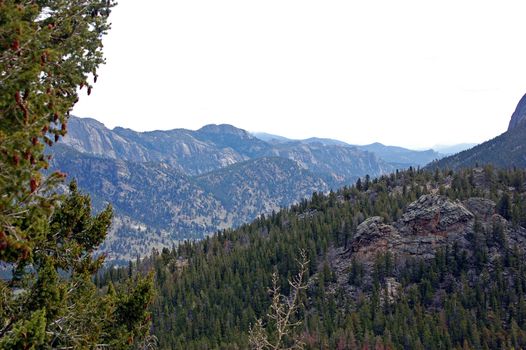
{"x":282,"y":310}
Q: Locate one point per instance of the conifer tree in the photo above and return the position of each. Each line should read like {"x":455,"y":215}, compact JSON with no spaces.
{"x":49,"y":50}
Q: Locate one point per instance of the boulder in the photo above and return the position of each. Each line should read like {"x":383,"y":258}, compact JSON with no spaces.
{"x":373,"y":237}
{"x":429,"y":223}
{"x":434,"y":215}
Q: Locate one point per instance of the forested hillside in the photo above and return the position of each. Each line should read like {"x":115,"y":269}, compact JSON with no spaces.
{"x":413,"y":260}
{"x":506,"y":150}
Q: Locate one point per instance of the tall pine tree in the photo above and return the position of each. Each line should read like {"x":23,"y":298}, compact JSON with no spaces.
{"x":49,"y":50}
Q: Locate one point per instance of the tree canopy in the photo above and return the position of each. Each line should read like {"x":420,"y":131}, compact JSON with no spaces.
{"x":49,"y":52}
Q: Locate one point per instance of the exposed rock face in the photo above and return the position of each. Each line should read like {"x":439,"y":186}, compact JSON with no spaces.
{"x":90,"y":136}
{"x":390,"y":292}
{"x":519,"y":116}
{"x":480,"y":207}
{"x":504,"y":151}
{"x":226,"y":136}
{"x":434,"y":215}
{"x":431,"y":222}
{"x":336,"y":164}
{"x":190,"y":152}
{"x":373,"y":237}
{"x":215,"y":147}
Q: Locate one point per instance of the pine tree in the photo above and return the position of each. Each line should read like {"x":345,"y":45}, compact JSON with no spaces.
{"x":504,"y":206}
{"x":48,"y":50}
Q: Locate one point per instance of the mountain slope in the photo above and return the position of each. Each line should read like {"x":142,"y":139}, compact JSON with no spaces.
{"x":152,"y":193}
{"x":270,"y":138}
{"x":182,"y":149}
{"x":156,"y":205}
{"x":506,"y":150}
{"x":226,"y":136}
{"x":402,"y":157}
{"x":337,"y":165}
{"x":89,"y":136}
{"x":261,"y":185}
{"x":453,"y":149}
{"x":410,"y":259}
{"x":217,"y":146}
{"x":398,"y":157}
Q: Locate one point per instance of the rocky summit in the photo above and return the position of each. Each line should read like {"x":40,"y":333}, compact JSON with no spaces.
{"x":519,"y":116}
{"x":429,"y":224}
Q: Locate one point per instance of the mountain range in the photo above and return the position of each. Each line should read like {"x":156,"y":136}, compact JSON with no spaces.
{"x":398,"y":157}
{"x":167,"y":186}
{"x":414,"y":259}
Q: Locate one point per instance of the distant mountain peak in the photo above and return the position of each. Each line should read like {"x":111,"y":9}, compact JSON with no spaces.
{"x":325,"y":141}
{"x":271,"y":138}
{"x":87,"y":121}
{"x":519,"y":116}
{"x":224,"y":129}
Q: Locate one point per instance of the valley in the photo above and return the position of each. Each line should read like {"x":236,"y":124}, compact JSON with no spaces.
{"x":170,"y":186}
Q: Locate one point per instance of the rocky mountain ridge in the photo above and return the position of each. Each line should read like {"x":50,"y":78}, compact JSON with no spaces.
{"x":519,"y":115}
{"x":218,"y":146}
{"x":396,"y":157}
{"x":429,"y":224}
{"x":400,"y":157}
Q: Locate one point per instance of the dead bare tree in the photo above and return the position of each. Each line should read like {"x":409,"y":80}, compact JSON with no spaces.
{"x":281,"y":313}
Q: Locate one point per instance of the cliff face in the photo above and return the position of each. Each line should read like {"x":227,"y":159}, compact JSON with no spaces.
{"x":215,"y":147}
{"x":92,"y":137}
{"x":428,"y":224}
{"x":337,"y":165}
{"x":187,"y":151}
{"x":519,"y":116}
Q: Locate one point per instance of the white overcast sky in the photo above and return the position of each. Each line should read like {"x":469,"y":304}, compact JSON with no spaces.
{"x":411,"y":73}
